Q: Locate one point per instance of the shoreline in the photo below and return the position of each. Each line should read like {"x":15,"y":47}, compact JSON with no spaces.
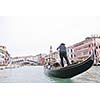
{"x":11,"y":66}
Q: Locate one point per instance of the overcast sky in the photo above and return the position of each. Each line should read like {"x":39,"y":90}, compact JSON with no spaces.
{"x":32,"y":35}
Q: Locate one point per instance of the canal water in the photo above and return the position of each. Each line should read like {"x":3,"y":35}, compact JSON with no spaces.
{"x":35,"y":74}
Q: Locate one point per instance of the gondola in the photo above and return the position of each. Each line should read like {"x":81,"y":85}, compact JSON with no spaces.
{"x":71,"y":70}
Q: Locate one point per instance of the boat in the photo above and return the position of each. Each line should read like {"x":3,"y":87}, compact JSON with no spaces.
{"x":70,"y":70}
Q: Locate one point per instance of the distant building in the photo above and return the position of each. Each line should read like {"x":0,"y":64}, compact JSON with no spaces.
{"x":52,"y":56}
{"x":82,"y":50}
{"x":40,"y":58}
{"x":4,"y":56}
{"x":3,"y":48}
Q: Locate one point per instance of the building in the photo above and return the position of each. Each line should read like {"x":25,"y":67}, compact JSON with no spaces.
{"x":80,"y":51}
{"x":52,"y":57}
{"x":4,"y":56}
{"x":40,"y":58}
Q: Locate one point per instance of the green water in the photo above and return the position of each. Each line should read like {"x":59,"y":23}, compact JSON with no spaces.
{"x":35,"y":74}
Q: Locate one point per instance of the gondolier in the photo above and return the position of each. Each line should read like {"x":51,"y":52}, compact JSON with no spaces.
{"x":63,"y":54}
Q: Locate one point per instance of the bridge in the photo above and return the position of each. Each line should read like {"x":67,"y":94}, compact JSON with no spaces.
{"x":24,"y":61}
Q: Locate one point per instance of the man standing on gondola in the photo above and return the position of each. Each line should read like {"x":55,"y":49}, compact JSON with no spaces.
{"x":63,"y":54}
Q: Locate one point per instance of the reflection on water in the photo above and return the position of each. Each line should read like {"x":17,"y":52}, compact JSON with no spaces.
{"x":60,"y":80}
{"x":35,"y":74}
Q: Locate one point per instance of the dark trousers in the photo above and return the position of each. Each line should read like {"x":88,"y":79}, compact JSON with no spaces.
{"x":64,"y":55}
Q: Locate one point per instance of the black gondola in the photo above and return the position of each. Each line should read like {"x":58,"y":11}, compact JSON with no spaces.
{"x":71,"y":70}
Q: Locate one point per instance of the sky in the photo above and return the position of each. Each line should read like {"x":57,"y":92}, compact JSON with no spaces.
{"x":31,"y":35}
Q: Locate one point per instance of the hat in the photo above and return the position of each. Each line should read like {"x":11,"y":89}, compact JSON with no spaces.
{"x":62,"y":43}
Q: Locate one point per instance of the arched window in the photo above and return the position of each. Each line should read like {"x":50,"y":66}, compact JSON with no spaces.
{"x":96,"y":47}
{"x":71,"y":56}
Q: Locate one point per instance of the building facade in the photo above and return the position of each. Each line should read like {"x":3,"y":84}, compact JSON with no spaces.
{"x":40,"y":58}
{"x":52,"y":57}
{"x":4,"y":56}
{"x":80,"y":51}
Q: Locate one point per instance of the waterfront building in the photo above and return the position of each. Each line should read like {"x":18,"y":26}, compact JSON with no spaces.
{"x":80,"y":51}
{"x":52,"y":57}
{"x":40,"y":58}
{"x":4,"y":56}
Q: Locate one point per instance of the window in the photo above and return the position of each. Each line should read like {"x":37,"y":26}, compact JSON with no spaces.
{"x":71,"y":56}
{"x":94,"y":44}
{"x":89,"y":52}
{"x":74,"y":55}
{"x":96,"y":47}
{"x":71,"y":50}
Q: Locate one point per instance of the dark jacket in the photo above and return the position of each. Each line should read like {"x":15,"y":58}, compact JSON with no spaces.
{"x":62,"y":48}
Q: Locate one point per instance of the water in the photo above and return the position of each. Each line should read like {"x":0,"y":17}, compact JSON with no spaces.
{"x":35,"y":74}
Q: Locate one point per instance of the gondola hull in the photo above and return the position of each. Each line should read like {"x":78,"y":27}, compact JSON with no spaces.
{"x":71,"y":70}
